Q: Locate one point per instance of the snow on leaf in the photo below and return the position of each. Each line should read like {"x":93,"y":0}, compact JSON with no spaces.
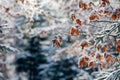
{"x":91,"y":64}
{"x":57,"y":41}
{"x":109,"y":58}
{"x":85,"y":44}
{"x":93,"y":17}
{"x":83,"y":62}
{"x":99,"y":57}
{"x":73,"y":17}
{"x":82,"y":5}
{"x":78,"y":21}
{"x":104,"y":3}
{"x":74,"y":31}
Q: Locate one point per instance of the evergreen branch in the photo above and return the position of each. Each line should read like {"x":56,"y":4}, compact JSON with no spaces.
{"x":114,"y":75}
{"x":6,"y":49}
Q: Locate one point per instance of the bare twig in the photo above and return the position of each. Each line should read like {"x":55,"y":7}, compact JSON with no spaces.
{"x":106,"y":21}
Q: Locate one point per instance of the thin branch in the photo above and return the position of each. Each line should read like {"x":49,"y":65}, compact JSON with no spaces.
{"x":106,"y":21}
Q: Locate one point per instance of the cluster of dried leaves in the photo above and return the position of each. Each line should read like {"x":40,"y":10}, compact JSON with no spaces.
{"x":101,"y":55}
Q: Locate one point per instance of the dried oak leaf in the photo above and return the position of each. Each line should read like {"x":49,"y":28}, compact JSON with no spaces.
{"x":91,"y":64}
{"x":82,"y":5}
{"x":107,"y":13}
{"x":92,"y":53}
{"x":77,"y":32}
{"x":109,"y":58}
{"x":92,"y":4}
{"x":73,"y":17}
{"x":94,"y":17}
{"x":83,"y":62}
{"x":78,"y":21}
{"x":60,"y":38}
{"x":116,"y":14}
{"x":74,"y":31}
{"x":118,"y":45}
{"x":85,"y":44}
{"x":104,"y":3}
{"x":98,"y":47}
{"x":106,"y":47}
{"x":99,"y":57}
{"x":55,"y":42}
{"x":118,"y":48}
{"x":114,"y":17}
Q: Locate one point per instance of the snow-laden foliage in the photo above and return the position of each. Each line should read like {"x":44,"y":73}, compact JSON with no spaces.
{"x":88,"y":30}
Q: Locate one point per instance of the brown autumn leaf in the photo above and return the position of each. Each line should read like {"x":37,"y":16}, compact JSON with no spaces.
{"x":116,"y":14}
{"x":55,"y":42}
{"x":101,"y":13}
{"x":107,"y":13}
{"x":118,"y":43}
{"x":82,"y":5}
{"x":118,"y":48}
{"x":114,"y":17}
{"x":98,"y":47}
{"x":60,"y":39}
{"x":77,"y":32}
{"x":83,"y":62}
{"x":104,"y":3}
{"x":93,"y":17}
{"x":74,"y":31}
{"x":109,"y":58}
{"x":78,"y":21}
{"x":92,"y":53}
{"x":99,"y":57}
{"x":85,"y":44}
{"x":91,"y":4}
{"x":91,"y":64}
{"x":73,"y":17}
{"x":106,"y":47}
